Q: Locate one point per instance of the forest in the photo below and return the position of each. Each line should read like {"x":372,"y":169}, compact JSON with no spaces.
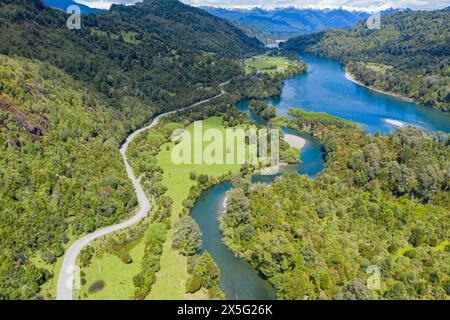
{"x":381,"y":202}
{"x":59,"y":166}
{"x":141,"y":70}
{"x":69,"y":98}
{"x":408,"y":56}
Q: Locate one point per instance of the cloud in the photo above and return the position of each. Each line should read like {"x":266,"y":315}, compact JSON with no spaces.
{"x":105,"y":4}
{"x":368,"y":5}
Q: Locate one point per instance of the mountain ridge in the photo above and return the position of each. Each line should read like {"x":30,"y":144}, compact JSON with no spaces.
{"x":282,"y":23}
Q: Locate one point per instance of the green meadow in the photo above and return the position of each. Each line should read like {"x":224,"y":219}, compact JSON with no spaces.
{"x":117,"y":276}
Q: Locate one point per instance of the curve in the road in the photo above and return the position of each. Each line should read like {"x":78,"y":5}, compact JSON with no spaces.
{"x":65,"y":288}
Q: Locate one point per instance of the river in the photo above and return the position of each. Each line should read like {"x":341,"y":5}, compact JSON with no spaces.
{"x":324,"y":88}
{"x":237,"y":278}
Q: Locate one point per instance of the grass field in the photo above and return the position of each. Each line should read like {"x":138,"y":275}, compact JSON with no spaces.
{"x":130,"y":37}
{"x":172,"y":277}
{"x":269,"y":65}
{"x":117,"y":276}
{"x":127,"y":36}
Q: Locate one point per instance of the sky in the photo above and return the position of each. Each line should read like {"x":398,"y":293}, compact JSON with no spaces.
{"x":366,"y":5}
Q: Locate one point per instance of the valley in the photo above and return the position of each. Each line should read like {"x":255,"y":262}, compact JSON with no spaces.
{"x":94,"y":206}
{"x":387,"y":60}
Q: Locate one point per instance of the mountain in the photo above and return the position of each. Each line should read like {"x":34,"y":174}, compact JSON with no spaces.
{"x":284,"y":23}
{"x":64,"y":4}
{"x":128,"y":50}
{"x":185,"y":27}
{"x":68,"y":99}
{"x":407,"y":56}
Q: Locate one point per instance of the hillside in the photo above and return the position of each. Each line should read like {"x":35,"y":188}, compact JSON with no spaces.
{"x":185,"y":27}
{"x":59,"y":169}
{"x":408,"y":56}
{"x":67,"y":101}
{"x":146,"y":53}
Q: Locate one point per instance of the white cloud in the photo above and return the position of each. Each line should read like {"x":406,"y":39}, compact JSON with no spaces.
{"x":369,"y":5}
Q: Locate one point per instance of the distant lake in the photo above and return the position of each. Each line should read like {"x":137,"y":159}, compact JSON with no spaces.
{"x":325,"y":89}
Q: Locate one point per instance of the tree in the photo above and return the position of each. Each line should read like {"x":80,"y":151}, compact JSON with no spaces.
{"x":193,"y":284}
{"x":356,"y":289}
{"x":187,"y":236}
{"x":238,"y":207}
{"x":296,"y":286}
{"x":86,"y":256}
{"x":262,"y":109}
{"x":202,"y":179}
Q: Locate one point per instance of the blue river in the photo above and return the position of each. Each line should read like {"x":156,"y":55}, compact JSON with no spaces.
{"x":324,"y":88}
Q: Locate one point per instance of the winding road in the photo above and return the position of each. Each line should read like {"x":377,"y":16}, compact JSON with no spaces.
{"x":67,"y":274}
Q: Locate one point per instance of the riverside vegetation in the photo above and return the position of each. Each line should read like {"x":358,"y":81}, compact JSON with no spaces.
{"x":176,"y":271}
{"x":380,"y":201}
{"x":173,"y":272}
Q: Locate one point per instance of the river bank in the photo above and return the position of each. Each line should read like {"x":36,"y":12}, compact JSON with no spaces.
{"x":352,"y":78}
{"x":354,"y":102}
{"x":238,"y":279}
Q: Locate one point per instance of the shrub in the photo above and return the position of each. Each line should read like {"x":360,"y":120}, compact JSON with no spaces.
{"x":202,"y":179}
{"x":207,"y":270}
{"x":126,"y":258}
{"x":193,"y":284}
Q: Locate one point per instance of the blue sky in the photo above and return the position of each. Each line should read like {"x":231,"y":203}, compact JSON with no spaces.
{"x":368,"y":5}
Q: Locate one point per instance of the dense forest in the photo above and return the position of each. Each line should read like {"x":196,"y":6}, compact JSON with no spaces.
{"x":59,"y":165}
{"x":409,"y":55}
{"x":131,"y":54}
{"x":381,"y":203}
{"x":67,"y":101}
